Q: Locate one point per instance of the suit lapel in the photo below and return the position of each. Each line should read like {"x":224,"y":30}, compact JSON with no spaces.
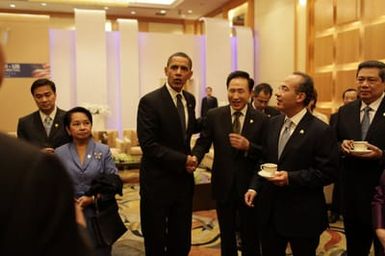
{"x":355,"y":120}
{"x":56,"y":125}
{"x":378,"y":118}
{"x":171,"y":109}
{"x":37,"y":122}
{"x":90,"y":153}
{"x":277,"y":126}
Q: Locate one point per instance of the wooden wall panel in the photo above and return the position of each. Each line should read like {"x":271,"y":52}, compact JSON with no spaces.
{"x":346,"y":54}
{"x":323,"y":51}
{"x":374,"y":8}
{"x":323,"y":82}
{"x":347,"y":11}
{"x":373,"y":42}
{"x":344,"y":80}
{"x":323,"y":14}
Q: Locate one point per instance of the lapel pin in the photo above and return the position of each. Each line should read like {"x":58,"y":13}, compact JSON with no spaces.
{"x":251,"y":121}
{"x":301,"y":132}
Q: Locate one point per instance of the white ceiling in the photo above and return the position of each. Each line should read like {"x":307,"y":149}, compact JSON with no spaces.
{"x":198,"y":8}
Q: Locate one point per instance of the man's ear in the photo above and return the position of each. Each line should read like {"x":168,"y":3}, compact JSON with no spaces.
{"x":301,"y":96}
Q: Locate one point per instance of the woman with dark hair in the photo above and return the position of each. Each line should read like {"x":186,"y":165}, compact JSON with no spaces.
{"x":94,"y":177}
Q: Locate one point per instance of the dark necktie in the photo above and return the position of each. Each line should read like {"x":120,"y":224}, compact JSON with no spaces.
{"x":365,"y":122}
{"x":47,"y":124}
{"x":180,"y":107}
{"x":237,"y":122}
{"x":284,"y":136}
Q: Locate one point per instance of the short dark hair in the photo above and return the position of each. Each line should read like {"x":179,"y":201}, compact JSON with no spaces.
{"x":306,"y":86}
{"x":373,"y":64}
{"x":348,"y":90}
{"x":263,"y":87}
{"x":240,"y":74}
{"x":180,"y":54}
{"x":42,"y":82}
{"x":68,"y":115}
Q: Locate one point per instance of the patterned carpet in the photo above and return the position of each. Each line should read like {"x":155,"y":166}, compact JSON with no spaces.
{"x":205,"y":231}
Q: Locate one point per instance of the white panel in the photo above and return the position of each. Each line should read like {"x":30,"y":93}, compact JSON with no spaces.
{"x":91,"y":60}
{"x":245,"y":49}
{"x":218,"y":56}
{"x":113,"y":71}
{"x":62,"y":61}
{"x":129,"y":72}
{"x":274,"y":24}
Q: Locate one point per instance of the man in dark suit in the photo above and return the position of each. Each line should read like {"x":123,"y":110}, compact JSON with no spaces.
{"x":166,"y":121}
{"x":236,"y":130}
{"x":208,"y":102}
{"x":44,"y":128}
{"x":37,"y":215}
{"x":363,"y":119}
{"x":348,"y":96}
{"x":291,"y":203}
{"x":261,"y":96}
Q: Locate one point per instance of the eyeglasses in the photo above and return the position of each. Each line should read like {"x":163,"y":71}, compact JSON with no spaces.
{"x":369,"y":80}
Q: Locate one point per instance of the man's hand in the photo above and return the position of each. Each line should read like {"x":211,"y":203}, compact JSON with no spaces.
{"x":281,"y":178}
{"x":347,"y":146}
{"x":48,"y":150}
{"x":191,"y":163}
{"x":239,"y":142}
{"x":380,"y":232}
{"x":249,"y":197}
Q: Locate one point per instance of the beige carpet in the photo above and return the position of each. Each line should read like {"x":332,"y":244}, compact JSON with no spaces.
{"x":205,"y":232}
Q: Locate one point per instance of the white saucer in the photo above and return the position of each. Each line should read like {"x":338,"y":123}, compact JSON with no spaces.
{"x":365,"y":151}
{"x":265,"y":174}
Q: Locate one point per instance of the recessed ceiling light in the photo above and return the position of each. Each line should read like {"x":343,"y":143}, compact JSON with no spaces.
{"x":43,"y":4}
{"x":163,"y":11}
{"x":106,"y":8}
{"x":12,"y":5}
{"x":133,"y":12}
{"x":189,"y":11}
{"x":164,"y":2}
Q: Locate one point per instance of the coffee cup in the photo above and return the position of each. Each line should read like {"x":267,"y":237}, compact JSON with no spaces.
{"x":269,"y":169}
{"x":360,"y":145}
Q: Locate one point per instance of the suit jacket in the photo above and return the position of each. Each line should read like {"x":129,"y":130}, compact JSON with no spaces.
{"x":378,"y":204}
{"x":207,"y":104}
{"x":31,"y":129}
{"x":163,"y":174}
{"x":36,"y":196}
{"x":311,"y":159}
{"x":360,"y":176}
{"x":98,"y":161}
{"x":231,"y":166}
{"x":271,"y":111}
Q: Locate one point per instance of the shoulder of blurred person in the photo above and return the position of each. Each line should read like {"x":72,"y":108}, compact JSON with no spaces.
{"x":37,"y":216}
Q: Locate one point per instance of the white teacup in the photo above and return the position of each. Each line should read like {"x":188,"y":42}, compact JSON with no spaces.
{"x":360,"y":145}
{"x":269,"y":169}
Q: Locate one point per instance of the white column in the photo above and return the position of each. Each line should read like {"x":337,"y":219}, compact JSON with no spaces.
{"x":244,"y":49}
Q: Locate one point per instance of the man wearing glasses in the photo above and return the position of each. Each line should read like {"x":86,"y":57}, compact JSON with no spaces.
{"x":362,"y":120}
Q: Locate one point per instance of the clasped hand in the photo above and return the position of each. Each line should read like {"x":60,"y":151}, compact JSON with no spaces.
{"x":191,"y":163}
{"x":239,"y":142}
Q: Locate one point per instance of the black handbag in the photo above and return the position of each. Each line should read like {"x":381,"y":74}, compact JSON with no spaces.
{"x":107,"y":224}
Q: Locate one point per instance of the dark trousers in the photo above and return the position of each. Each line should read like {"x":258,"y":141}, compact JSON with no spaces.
{"x":274,"y":244}
{"x":166,"y":227}
{"x":227,"y":218}
{"x":359,"y":238}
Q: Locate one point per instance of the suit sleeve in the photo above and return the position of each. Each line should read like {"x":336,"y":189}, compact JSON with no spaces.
{"x":324,"y":167}
{"x":148,"y":133}
{"x":205,"y":140}
{"x":21,"y":131}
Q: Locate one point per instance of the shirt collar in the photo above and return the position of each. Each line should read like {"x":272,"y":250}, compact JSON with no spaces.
{"x":298,"y":117}
{"x":374,"y":105}
{"x":172,"y":92}
{"x":52,"y":115}
{"x":243,"y":111}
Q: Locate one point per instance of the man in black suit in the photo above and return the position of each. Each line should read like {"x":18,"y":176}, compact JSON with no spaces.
{"x":363,"y":119}
{"x":208,"y":102}
{"x":291,"y":203}
{"x":166,"y":121}
{"x":44,"y":128}
{"x":37,"y":215}
{"x":261,"y":96}
{"x":237,"y":131}
{"x":348,"y":96}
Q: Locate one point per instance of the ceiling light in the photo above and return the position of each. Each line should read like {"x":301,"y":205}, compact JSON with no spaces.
{"x":164,"y":2}
{"x":43,"y":4}
{"x":12,"y":5}
{"x":106,"y":8}
{"x":189,"y":11}
{"x":162,"y":11}
{"x":133,"y":12}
